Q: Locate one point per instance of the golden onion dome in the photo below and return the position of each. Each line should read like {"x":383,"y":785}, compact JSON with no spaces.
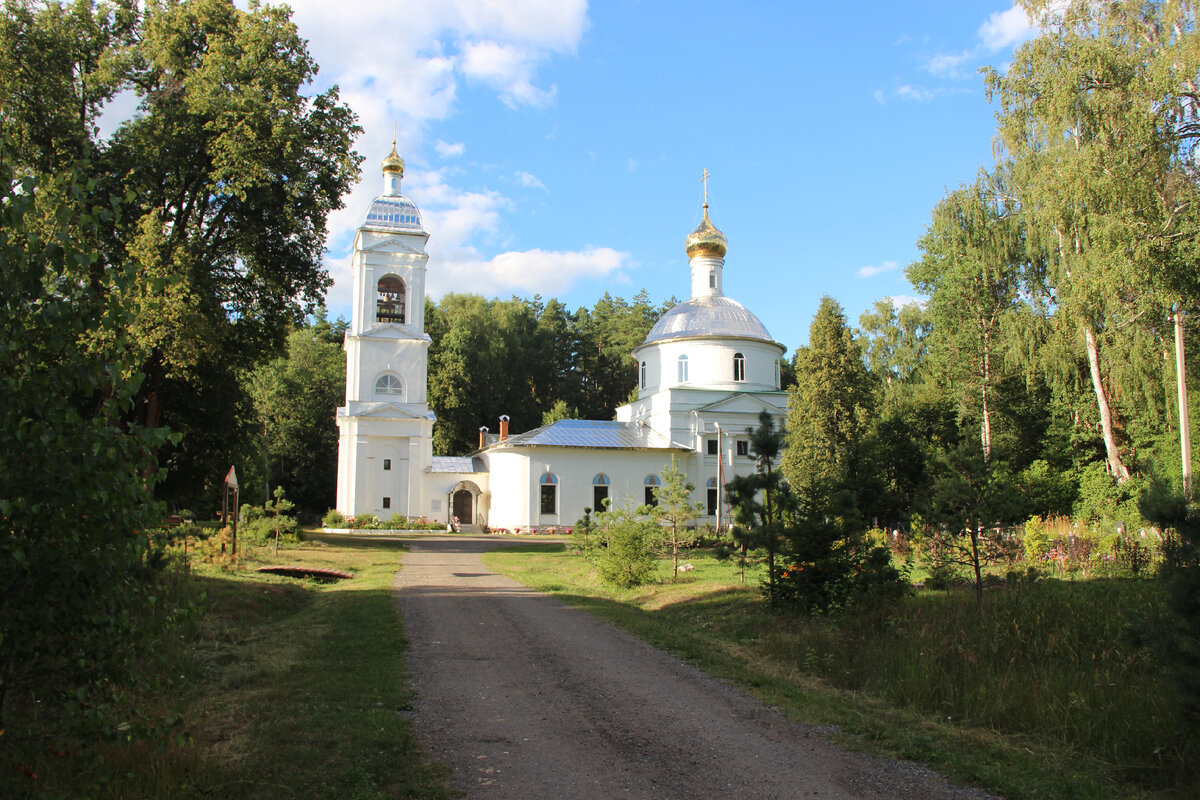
{"x":706,"y":240}
{"x":394,"y":163}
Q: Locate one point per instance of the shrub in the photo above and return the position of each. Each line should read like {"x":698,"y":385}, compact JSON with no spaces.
{"x":333,"y":519}
{"x":942,"y":577}
{"x":1036,"y":539}
{"x":261,"y":531}
{"x":627,"y":558}
{"x":251,"y":513}
{"x":584,"y":535}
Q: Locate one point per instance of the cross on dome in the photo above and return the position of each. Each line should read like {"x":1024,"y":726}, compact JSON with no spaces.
{"x":706,"y":240}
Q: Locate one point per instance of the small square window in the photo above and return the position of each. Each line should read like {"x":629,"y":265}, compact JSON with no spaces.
{"x":712,"y":447}
{"x":387,"y":464}
{"x":743,"y":447}
{"x":387,"y":502}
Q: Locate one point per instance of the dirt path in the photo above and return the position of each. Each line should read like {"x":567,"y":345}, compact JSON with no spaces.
{"x":527,"y":698}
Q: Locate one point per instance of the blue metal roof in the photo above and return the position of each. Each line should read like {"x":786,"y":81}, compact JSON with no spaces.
{"x":595,"y":434}
{"x":394,"y":212}
{"x":456,"y":464}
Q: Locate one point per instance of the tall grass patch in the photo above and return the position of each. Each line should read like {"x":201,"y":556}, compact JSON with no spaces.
{"x":1065,"y":662}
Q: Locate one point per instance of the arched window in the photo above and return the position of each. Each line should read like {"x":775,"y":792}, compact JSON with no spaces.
{"x":711,"y":486}
{"x":600,"y":492}
{"x":390,"y":300}
{"x":777,"y":373}
{"x":642,"y":376}
{"x":389,"y":384}
{"x":652,"y":483}
{"x":549,"y":493}
{"x":739,"y":367}
{"x":683,"y":369}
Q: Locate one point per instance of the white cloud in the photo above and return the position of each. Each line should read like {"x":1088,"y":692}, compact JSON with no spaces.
{"x":507,"y":68}
{"x":879,"y":96}
{"x":902,"y":300}
{"x":948,"y":64}
{"x":1000,"y":31}
{"x":872,"y":271}
{"x":910,"y":92}
{"x":401,"y":64}
{"x":529,"y":271}
{"x":530,"y":181}
{"x":1005,"y":29}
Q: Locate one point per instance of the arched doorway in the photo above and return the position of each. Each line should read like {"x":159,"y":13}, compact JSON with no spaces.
{"x":464,"y":505}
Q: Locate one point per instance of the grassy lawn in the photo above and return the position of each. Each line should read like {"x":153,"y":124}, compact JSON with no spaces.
{"x":287,"y":689}
{"x":1044,"y":691}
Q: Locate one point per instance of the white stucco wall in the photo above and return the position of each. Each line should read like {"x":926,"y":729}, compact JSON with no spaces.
{"x":710,"y":364}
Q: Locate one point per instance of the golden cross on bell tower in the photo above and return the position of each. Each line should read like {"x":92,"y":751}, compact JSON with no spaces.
{"x":704,"y":176}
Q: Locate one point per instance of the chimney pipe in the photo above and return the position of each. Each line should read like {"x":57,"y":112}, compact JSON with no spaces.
{"x":483,"y":431}
{"x":503,"y":427}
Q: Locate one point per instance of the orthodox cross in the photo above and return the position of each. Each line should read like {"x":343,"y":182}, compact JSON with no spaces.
{"x":704,"y":176}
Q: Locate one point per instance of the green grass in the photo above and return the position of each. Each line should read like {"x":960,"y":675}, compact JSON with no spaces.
{"x":1047,"y":690}
{"x":288,"y":688}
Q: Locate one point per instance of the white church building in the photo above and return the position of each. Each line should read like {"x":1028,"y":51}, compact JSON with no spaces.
{"x":706,"y":371}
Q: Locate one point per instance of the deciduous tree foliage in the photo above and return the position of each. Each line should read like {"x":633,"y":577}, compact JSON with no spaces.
{"x":1099,"y":113}
{"x":971,"y":269}
{"x":894,"y":342}
{"x":229,"y":168}
{"x":295,"y":397}
{"x":522,"y":358}
{"x":74,"y":497}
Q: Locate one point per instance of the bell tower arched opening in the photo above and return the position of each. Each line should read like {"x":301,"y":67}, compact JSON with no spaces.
{"x":390,"y":297}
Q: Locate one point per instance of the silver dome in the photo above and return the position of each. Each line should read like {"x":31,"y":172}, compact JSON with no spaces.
{"x":394,"y":212}
{"x":714,"y":316}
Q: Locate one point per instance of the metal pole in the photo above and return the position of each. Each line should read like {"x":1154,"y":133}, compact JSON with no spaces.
{"x":720,"y":480}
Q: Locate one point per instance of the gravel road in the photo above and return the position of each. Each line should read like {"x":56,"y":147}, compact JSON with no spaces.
{"x":526,"y":698}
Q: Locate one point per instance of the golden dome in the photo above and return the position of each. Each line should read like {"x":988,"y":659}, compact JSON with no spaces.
{"x":394,"y":163}
{"x":706,"y":240}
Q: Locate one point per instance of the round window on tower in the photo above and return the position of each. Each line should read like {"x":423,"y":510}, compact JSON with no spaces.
{"x":389,"y":385}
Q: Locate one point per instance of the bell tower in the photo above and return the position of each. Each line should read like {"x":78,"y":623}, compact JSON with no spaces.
{"x":385,"y":430}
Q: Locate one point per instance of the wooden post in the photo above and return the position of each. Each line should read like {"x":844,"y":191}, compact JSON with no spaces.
{"x":231,"y":484}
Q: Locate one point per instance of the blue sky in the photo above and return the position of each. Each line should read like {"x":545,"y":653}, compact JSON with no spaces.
{"x":556,"y":147}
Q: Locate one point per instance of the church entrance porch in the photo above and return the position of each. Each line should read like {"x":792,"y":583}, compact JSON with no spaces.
{"x":464,"y":506}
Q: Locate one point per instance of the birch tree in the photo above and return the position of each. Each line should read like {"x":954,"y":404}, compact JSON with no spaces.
{"x":1099,"y":114}
{"x":970,"y":267}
